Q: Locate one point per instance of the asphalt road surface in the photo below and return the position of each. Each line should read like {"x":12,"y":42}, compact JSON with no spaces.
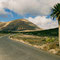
{"x":12,"y":50}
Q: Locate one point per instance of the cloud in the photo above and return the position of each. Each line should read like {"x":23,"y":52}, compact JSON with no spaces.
{"x":39,"y":8}
{"x":34,"y":7}
{"x":3,"y":13}
{"x":1,"y":9}
{"x":43,"y":22}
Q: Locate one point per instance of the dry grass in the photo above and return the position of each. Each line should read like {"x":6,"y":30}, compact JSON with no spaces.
{"x":49,"y":44}
{"x":2,"y":34}
{"x":36,"y":40}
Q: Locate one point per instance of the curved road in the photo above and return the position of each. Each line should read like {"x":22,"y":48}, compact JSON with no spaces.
{"x":12,"y":50}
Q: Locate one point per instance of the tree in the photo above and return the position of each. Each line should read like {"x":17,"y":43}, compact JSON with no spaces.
{"x":56,"y":14}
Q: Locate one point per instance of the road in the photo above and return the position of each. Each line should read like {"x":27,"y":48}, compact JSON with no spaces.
{"x":12,"y":50}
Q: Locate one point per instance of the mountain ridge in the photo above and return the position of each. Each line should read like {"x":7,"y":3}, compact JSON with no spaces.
{"x":17,"y":25}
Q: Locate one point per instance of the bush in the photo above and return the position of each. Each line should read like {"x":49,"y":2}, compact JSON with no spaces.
{"x":51,"y":39}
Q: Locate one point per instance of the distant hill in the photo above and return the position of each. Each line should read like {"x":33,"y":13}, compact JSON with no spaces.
{"x":18,"y":25}
{"x":2,"y":24}
{"x":49,"y":32}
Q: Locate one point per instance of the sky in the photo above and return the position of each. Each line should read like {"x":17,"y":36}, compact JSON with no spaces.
{"x":36,"y":11}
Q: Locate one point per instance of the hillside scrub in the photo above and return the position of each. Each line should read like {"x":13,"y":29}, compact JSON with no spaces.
{"x":2,"y":34}
{"x":49,"y":44}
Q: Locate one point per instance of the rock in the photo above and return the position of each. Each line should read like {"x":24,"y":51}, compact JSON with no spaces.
{"x":53,"y":51}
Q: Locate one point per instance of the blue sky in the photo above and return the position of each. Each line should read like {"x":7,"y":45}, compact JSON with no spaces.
{"x":13,"y":15}
{"x":36,"y":11}
{"x":9,"y":17}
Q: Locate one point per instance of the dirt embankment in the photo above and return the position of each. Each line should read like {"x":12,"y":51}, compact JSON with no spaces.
{"x":38,"y":42}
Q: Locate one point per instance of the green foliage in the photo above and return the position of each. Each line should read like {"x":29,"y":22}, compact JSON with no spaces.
{"x":51,"y":32}
{"x":52,"y":39}
{"x":56,"y":11}
{"x":35,"y":40}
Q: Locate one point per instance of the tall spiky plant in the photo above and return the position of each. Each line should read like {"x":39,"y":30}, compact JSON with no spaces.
{"x":56,"y":14}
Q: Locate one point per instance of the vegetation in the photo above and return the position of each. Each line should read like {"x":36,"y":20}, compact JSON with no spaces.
{"x":2,"y":34}
{"x":39,"y":38}
{"x":35,"y":40}
{"x":50,"y":32}
{"x":56,"y":14}
{"x":2,"y":24}
{"x":46,"y":39}
{"x":19,"y":25}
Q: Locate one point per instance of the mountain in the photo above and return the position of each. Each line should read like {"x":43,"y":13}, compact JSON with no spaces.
{"x":18,"y":25}
{"x":2,"y":24}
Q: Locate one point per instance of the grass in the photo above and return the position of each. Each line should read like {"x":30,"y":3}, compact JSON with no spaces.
{"x":35,"y":40}
{"x":2,"y":34}
{"x":51,"y":32}
{"x":46,"y":43}
{"x":39,"y":37}
{"x":47,"y":39}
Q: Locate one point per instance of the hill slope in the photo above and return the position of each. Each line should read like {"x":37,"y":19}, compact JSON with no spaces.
{"x":50,"y":32}
{"x":2,"y":24}
{"x":18,"y":25}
